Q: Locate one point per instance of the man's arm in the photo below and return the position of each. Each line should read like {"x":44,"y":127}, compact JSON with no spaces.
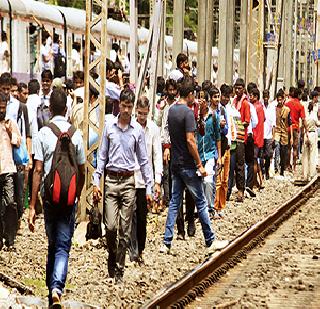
{"x":36,"y":181}
{"x":193,"y":150}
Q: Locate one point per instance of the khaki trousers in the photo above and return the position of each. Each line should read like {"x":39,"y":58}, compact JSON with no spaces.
{"x":222,"y":182}
{"x":120,"y":197}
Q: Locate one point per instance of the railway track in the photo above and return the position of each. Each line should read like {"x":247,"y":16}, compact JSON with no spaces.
{"x":194,"y":283}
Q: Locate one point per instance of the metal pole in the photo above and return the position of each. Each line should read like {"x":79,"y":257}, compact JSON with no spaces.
{"x":201,"y":40}
{"x":279,"y":46}
{"x":288,"y":44}
{"x":294,"y":77}
{"x":100,"y":62}
{"x":161,"y":54}
{"x":178,"y":29}
{"x":243,"y":37}
{"x":230,"y":41}
{"x":133,"y":41}
{"x":209,"y":40}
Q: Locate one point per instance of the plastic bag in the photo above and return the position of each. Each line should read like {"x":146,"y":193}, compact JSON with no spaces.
{"x":20,"y":155}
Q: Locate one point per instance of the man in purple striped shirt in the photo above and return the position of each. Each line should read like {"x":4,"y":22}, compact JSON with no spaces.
{"x":123,"y":139}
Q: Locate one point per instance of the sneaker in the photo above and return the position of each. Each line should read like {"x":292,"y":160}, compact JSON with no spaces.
{"x":217,"y":245}
{"x":165,"y":249}
{"x":56,"y":300}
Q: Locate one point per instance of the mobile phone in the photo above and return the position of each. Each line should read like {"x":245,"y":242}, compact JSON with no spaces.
{"x":201,"y":95}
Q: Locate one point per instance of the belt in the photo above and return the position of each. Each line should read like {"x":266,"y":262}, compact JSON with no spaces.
{"x":120,"y":173}
{"x":312,"y":131}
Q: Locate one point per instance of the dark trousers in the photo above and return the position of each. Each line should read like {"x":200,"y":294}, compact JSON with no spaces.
{"x":139,"y":225}
{"x":233,"y":163}
{"x":19,"y":189}
{"x":8,"y":210}
{"x":190,"y":207}
{"x":249,"y":156}
{"x":240,"y":160}
{"x":283,"y":158}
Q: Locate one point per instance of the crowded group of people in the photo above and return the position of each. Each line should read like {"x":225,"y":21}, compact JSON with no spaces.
{"x":201,"y":142}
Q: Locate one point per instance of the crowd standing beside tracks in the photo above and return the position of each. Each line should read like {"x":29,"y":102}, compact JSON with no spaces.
{"x":203,"y":141}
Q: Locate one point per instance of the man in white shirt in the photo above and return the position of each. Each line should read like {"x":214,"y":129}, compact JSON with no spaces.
{"x":154,"y":151}
{"x":182,"y":68}
{"x":269,"y":125}
{"x":4,"y":53}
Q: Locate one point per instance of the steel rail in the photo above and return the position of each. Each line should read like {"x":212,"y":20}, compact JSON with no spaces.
{"x":193,"y":283}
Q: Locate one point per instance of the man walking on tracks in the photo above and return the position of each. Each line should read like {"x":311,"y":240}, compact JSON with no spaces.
{"x":123,"y":139}
{"x":184,"y":164}
{"x":59,"y":157}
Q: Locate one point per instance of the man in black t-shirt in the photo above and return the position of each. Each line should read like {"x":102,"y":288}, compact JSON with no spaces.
{"x":185,"y":161}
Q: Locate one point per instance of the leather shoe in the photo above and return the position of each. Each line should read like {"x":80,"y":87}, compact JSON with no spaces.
{"x":191,"y":229}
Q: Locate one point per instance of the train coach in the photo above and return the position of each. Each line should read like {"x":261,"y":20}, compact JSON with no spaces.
{"x":23,"y":21}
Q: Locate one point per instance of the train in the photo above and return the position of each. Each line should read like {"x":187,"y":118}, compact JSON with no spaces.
{"x":22,"y":19}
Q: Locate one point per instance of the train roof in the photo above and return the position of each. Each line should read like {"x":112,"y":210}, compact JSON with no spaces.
{"x":29,"y":8}
{"x":76,"y":20}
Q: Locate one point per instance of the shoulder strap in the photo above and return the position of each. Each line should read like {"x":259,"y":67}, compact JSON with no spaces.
{"x":72,"y":130}
{"x":54,"y":128}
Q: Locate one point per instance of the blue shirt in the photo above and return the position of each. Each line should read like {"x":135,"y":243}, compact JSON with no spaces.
{"x":118,"y":149}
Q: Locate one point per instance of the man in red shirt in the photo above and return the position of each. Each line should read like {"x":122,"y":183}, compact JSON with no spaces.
{"x":242,"y":118}
{"x":258,"y":134}
{"x":297,"y":112}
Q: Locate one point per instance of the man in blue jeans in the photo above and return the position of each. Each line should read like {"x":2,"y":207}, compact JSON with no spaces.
{"x":59,"y":221}
{"x":184,"y":164}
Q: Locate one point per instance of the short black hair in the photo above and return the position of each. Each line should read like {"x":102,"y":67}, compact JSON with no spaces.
{"x":3,"y":36}
{"x":295,"y":92}
{"x":213,"y":90}
{"x":251,"y":86}
{"x":161,"y":83}
{"x":255,"y":92}
{"x":301,"y":84}
{"x":313,"y":94}
{"x":143,"y":102}
{"x":225,"y":90}
{"x":206,"y":85}
{"x":14,"y":81}
{"x":127,"y":95}
{"x":58,"y":101}
{"x":5,"y":79}
{"x":22,"y":86}
{"x":181,"y":58}
{"x":240,"y":82}
{"x":76,"y":46}
{"x":93,"y":92}
{"x":280,"y":93}
{"x":172,"y":83}
{"x":69,"y":84}
{"x":33,"y":86}
{"x":109,"y":65}
{"x":185,"y":88}
{"x":265,"y":93}
{"x":115,"y":46}
{"x":46,"y":74}
{"x":78,"y":75}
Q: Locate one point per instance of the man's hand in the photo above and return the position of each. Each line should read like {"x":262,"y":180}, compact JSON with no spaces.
{"x":163,"y":104}
{"x":30,"y":163}
{"x":291,"y":141}
{"x":32,"y":218}
{"x":157,"y":189}
{"x":308,"y":143}
{"x":149,"y":201}
{"x":166,"y":156}
{"x":202,"y":171}
{"x":219,"y":162}
{"x":8,"y":126}
{"x":97,"y":194}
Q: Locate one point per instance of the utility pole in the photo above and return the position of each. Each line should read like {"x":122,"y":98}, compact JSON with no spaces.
{"x":289,"y":6}
{"x":295,"y":40}
{"x":202,"y":25}
{"x":100,"y":65}
{"x":317,"y":42}
{"x":226,"y":41}
{"x":133,"y":41}
{"x":161,"y":54}
{"x":178,"y":29}
{"x":243,"y":38}
{"x":209,"y":40}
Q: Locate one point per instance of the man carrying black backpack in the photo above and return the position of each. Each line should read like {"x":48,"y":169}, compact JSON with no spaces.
{"x":59,"y":158}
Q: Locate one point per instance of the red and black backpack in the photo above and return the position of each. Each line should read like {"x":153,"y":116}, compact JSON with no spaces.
{"x":61,"y":183}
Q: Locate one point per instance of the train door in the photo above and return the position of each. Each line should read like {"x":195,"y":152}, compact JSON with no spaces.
{"x":34,"y":49}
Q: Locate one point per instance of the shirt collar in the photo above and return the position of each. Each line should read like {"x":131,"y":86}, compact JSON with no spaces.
{"x":132,"y":122}
{"x":58,"y":118}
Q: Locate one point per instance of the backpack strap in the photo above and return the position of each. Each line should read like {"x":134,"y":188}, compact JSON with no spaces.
{"x":72,"y":130}
{"x":54,"y":128}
